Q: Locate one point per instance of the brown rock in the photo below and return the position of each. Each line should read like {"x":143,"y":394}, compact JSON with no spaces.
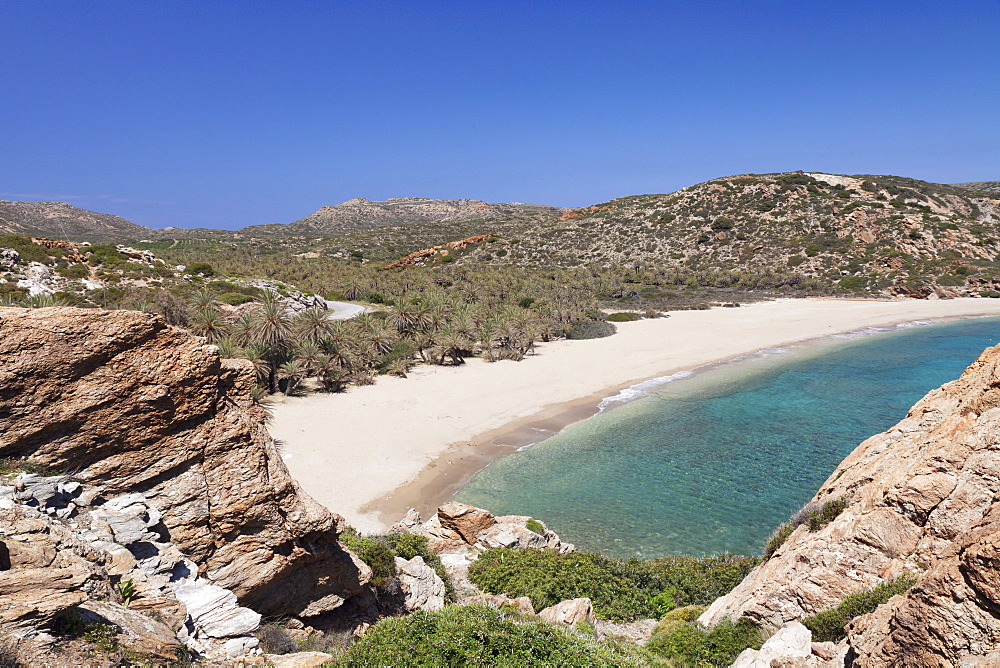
{"x":467,"y":521}
{"x":569,"y":612}
{"x":137,"y":631}
{"x":33,"y":597}
{"x":132,"y":403}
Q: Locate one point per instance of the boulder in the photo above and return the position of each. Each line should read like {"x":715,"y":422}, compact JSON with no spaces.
{"x":8,"y":258}
{"x":569,"y":612}
{"x":137,"y":631}
{"x":214,"y":612}
{"x":467,"y":521}
{"x":422,"y":588}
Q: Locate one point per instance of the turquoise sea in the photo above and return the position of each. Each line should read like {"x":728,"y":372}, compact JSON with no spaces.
{"x":713,"y":461}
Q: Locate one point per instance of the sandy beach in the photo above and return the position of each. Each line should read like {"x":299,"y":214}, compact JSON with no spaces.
{"x":372,"y":451}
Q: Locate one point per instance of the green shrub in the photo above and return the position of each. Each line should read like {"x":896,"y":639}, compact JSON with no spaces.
{"x":375,"y":553}
{"x":482,"y":636}
{"x":620,"y":590}
{"x":829,"y":625}
{"x":623,"y":316}
{"x":536,"y":526}
{"x":26,"y":248}
{"x":722,"y":223}
{"x":820,"y":517}
{"x":73,"y":271}
{"x":589,"y":329}
{"x":106,"y":256}
{"x":694,"y":645}
{"x":203,"y":268}
{"x":235,"y":298}
{"x":778,"y":538}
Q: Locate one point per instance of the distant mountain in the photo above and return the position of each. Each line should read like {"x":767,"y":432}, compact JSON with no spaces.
{"x":359,"y":214}
{"x":63,"y":221}
{"x":982,"y":186}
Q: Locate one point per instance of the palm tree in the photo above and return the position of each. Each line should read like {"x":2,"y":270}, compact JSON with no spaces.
{"x":308,"y":353}
{"x":398,"y":367}
{"x":208,"y":322}
{"x":292,"y":373}
{"x":272,"y":328}
{"x":203,"y":298}
{"x":312,"y":324}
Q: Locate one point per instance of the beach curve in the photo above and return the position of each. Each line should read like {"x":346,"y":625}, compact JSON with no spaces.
{"x":372,"y":451}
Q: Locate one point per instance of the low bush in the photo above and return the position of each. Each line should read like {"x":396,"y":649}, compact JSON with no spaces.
{"x":374,"y":552}
{"x":623,"y":316}
{"x":589,"y":329}
{"x":694,"y":645}
{"x":829,"y":625}
{"x":820,"y":517}
{"x":619,"y":590}
{"x":778,"y":538}
{"x":235,"y":298}
{"x":482,"y":636}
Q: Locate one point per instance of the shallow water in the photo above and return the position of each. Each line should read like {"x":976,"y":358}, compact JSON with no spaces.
{"x":711,"y":462}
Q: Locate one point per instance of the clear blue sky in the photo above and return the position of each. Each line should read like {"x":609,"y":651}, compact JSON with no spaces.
{"x":226,"y":114}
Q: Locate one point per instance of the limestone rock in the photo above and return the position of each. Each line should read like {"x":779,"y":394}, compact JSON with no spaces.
{"x":923,"y":499}
{"x":214,"y":612}
{"x":133,"y":404}
{"x":8,"y":258}
{"x":422,"y":588}
{"x":569,"y":612}
{"x":295,"y":660}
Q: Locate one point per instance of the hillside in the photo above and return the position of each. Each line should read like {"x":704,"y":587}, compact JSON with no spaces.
{"x":64,"y":221}
{"x":360,"y":214}
{"x":862,"y":233}
{"x":992,"y":187}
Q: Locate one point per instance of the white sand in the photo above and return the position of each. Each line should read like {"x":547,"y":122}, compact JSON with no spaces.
{"x":348,"y":450}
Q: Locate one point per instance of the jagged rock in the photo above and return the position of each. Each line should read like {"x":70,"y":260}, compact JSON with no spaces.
{"x":422,"y":588}
{"x":522,"y":603}
{"x":235,"y":647}
{"x":924,"y":499}
{"x":507,"y":533}
{"x":790,"y":647}
{"x":8,"y":258}
{"x":467,"y":521}
{"x":70,"y":379}
{"x":213,"y":611}
{"x":34,"y":597}
{"x":569,"y":612}
{"x":138,"y":632}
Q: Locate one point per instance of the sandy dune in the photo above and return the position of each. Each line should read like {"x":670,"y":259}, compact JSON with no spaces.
{"x":371,"y":451}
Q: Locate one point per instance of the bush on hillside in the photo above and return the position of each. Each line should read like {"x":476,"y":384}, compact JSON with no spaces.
{"x":829,"y":625}
{"x":482,"y":636}
{"x":379,"y":552}
{"x":694,"y":645}
{"x":619,"y":590}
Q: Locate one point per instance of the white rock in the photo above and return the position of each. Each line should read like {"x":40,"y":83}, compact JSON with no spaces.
{"x":569,"y":612}
{"x":422,"y":587}
{"x":214,"y":611}
{"x":240,"y":646}
{"x":792,"y":640}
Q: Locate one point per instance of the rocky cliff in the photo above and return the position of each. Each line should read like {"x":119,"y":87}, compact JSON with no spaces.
{"x":121,"y":400}
{"x":921,"y":498}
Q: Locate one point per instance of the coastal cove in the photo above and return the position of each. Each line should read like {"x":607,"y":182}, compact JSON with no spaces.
{"x":712,"y":461}
{"x":447,"y":423}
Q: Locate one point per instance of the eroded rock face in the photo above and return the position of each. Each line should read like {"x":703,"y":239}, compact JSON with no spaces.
{"x":922,"y":499}
{"x":129,"y":403}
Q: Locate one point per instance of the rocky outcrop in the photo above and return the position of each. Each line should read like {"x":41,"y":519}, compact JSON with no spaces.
{"x":422,"y":588}
{"x":135,"y":406}
{"x":922,"y":499}
{"x":569,"y":612}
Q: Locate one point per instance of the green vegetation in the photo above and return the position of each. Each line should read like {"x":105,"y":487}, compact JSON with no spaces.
{"x":481,"y":636}
{"x":693,"y":645}
{"x":815,"y":516}
{"x":829,"y":625}
{"x":379,"y":553}
{"x":589,"y":329}
{"x":623,"y":316}
{"x":619,"y":590}
{"x":536,"y":526}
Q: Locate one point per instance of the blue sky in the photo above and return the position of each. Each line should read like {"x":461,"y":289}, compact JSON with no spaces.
{"x":226,"y":114}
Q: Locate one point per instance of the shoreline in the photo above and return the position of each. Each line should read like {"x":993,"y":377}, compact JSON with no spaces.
{"x":448,"y":423}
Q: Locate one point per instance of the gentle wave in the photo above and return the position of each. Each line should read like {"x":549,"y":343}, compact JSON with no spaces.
{"x":645,"y":388}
